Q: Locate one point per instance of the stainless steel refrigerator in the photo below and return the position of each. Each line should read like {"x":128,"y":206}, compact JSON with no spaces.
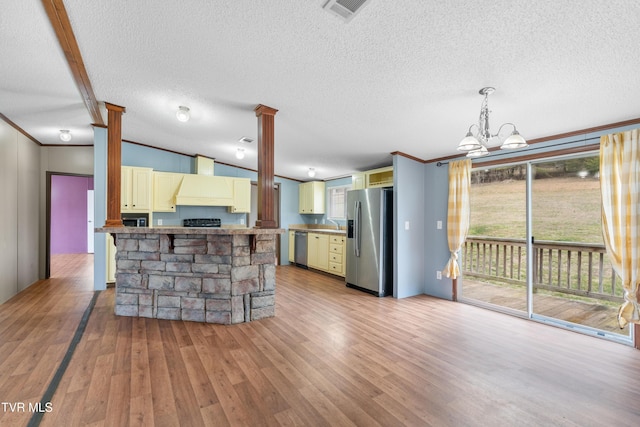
{"x":370,"y":240}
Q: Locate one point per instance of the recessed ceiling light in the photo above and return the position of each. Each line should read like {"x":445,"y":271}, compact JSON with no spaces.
{"x":65,"y":135}
{"x":183,"y":113}
{"x":312,"y":172}
{"x":240,"y":153}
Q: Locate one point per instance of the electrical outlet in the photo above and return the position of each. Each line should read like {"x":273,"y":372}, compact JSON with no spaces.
{"x":406,"y":225}
{"x":159,"y":222}
{"x":439,"y":225}
{"x":439,"y":275}
{"x":241,"y":221}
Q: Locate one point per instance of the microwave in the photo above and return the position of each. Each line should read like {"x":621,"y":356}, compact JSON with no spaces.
{"x":134,"y":222}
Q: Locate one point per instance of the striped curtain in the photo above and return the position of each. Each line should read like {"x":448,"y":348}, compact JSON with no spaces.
{"x":620,"y":188}
{"x":458,"y":212}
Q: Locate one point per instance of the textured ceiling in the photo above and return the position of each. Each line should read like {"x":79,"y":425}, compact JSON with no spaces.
{"x":401,"y":76}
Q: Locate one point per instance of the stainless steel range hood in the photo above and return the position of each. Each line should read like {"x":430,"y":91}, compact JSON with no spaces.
{"x":205,"y":190}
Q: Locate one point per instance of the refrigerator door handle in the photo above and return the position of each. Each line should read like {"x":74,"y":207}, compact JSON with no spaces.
{"x":356,"y":228}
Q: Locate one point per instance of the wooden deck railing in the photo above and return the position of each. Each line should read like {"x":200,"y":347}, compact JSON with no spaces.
{"x":570,"y":268}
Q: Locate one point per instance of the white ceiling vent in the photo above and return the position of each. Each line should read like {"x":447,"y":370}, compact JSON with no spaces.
{"x":345,"y":9}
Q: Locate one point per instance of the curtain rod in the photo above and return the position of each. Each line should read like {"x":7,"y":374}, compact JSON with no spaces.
{"x":530,"y":149}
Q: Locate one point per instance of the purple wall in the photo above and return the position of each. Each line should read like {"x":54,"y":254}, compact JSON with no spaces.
{"x":69,"y":213}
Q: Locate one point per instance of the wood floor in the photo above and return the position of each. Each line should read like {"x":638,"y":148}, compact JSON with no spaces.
{"x":332,"y":356}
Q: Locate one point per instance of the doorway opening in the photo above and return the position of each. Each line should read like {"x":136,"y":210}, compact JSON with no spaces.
{"x":69,"y":219}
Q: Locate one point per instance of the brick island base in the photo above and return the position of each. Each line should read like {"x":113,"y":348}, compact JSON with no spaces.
{"x":201,"y":276}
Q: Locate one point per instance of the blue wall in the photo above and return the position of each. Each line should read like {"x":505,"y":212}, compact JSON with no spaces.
{"x":100,"y":207}
{"x":409,"y":211}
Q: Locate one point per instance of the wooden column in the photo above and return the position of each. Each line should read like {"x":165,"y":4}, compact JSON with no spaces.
{"x":114,"y":160}
{"x":266,"y":209}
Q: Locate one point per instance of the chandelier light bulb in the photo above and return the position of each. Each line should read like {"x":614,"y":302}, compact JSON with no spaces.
{"x":65,"y":135}
{"x":183,"y":113}
{"x":312,"y":172}
{"x":240,"y":153}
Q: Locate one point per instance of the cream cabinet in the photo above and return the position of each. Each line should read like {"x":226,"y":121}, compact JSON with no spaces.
{"x":337,"y":255}
{"x":241,"y":196}
{"x":382,"y":177}
{"x":358,"y":181}
{"x":135,"y":191}
{"x":311,"y":197}
{"x":165,"y":187}
{"x":292,"y":246}
{"x":111,"y":259}
{"x":318,"y":251}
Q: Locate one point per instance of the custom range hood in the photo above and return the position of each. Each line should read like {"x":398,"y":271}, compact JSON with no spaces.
{"x":204,"y":189}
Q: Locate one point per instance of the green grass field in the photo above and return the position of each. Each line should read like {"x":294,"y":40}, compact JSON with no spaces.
{"x":564,"y":209}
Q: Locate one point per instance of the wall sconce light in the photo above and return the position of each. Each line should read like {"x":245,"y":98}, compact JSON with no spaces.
{"x":240,"y":153}
{"x":312,"y":172}
{"x":65,"y":135}
{"x":183,"y":113}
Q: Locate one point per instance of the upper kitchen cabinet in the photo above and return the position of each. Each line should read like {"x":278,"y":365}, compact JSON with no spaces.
{"x":358,"y":181}
{"x":165,"y":187}
{"x":382,"y":177}
{"x":312,"y":197}
{"x":241,"y":196}
{"x":135,"y":192}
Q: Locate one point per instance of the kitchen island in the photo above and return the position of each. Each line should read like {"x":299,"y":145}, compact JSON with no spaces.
{"x":213,"y":275}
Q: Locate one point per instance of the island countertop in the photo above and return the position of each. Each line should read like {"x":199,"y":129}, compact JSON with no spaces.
{"x":189,"y":230}
{"x":320,"y":229}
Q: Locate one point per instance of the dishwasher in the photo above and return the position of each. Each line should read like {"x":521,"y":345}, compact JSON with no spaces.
{"x":301,"y":249}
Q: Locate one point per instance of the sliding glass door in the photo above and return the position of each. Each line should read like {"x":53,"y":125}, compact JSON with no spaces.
{"x":573,"y":282}
{"x":494,"y":256}
{"x":555,"y":269}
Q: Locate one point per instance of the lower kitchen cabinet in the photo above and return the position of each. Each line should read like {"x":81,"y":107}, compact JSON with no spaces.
{"x":111,"y":259}
{"x":337,"y":255}
{"x":318,"y":251}
{"x":292,"y":246}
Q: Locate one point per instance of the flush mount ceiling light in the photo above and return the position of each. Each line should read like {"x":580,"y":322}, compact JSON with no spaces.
{"x":65,"y":135}
{"x":311,"y":172}
{"x":476,"y":145}
{"x":183,"y":113}
{"x":240,"y":153}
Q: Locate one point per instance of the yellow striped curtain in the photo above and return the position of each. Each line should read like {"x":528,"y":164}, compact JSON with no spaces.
{"x":620,"y":188}
{"x":458,"y":212}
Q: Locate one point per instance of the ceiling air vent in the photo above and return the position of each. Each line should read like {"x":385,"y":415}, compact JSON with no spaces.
{"x":345,"y":9}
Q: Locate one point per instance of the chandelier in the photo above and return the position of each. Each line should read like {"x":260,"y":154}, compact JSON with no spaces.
{"x":476,"y":145}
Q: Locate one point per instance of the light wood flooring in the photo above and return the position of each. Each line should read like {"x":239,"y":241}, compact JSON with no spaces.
{"x":332,"y":356}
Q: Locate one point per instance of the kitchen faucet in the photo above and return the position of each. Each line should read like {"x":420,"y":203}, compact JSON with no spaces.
{"x":337,"y":225}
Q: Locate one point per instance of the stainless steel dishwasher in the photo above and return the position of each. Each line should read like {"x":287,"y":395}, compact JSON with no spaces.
{"x":301,"y":248}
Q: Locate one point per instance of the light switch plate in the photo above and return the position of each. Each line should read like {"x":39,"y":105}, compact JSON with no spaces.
{"x":406,"y":225}
{"x":439,"y":225}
